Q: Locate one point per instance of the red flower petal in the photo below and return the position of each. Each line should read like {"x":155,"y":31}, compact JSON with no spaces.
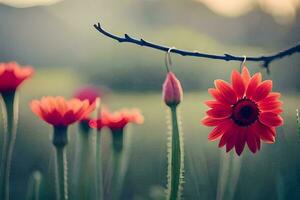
{"x":59,"y":112}
{"x":265,"y":133}
{"x":251,"y":139}
{"x":246,"y":75}
{"x":69,"y":117}
{"x":258,"y":144}
{"x":262,"y":90}
{"x":227,"y":134}
{"x":226,"y":90}
{"x":208,"y":121}
{"x":273,"y":96}
{"x":12,"y":75}
{"x":231,"y":140}
{"x":218,"y":96}
{"x":90,"y":93}
{"x":253,"y":84}
{"x":270,"y":119}
{"x":240,"y":142}
{"x":35,"y":107}
{"x":269,"y":106}
{"x":212,"y":103}
{"x":238,"y":83}
{"x":220,"y":111}
{"x":219,"y":130}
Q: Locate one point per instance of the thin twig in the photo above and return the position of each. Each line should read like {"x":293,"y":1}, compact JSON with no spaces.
{"x":266,"y":60}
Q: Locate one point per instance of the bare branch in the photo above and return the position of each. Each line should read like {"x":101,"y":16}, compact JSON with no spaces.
{"x":266,"y":60}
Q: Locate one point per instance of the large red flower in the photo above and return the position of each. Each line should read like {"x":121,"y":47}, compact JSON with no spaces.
{"x":245,"y":111}
{"x":60,"y":112}
{"x":117,"y":120}
{"x":12,"y":75}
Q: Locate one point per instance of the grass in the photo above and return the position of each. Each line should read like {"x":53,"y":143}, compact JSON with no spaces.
{"x":271,"y":173}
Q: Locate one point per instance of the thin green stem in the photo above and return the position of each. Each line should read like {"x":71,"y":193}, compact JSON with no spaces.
{"x":10,"y":116}
{"x":4,"y":150}
{"x":99,"y":183}
{"x":60,"y":140}
{"x":230,"y":165}
{"x":175,"y":164}
{"x":61,"y":174}
{"x":83,"y":170}
{"x":116,"y":184}
{"x":34,"y":186}
{"x":118,"y":143}
{"x":298,"y":121}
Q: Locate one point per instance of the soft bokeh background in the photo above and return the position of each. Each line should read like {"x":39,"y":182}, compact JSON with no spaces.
{"x":58,"y":39}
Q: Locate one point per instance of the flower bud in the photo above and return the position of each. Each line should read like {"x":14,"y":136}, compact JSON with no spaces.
{"x":172,"y":90}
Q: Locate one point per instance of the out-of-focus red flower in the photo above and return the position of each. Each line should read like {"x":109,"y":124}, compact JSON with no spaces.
{"x":245,"y":111}
{"x":172,"y":90}
{"x":117,"y":120}
{"x":60,"y":112}
{"x":90,"y":93}
{"x":12,"y":75}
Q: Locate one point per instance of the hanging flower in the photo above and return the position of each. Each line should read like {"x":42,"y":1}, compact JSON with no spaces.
{"x":117,"y":120}
{"x":60,"y":112}
{"x":245,"y":111}
{"x":12,"y":76}
{"x":172,"y":90}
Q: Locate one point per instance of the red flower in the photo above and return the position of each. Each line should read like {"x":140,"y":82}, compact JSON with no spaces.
{"x":172,"y":90}
{"x":90,"y":93}
{"x":12,"y":75}
{"x":60,"y":112}
{"x":117,"y":120}
{"x":245,"y":111}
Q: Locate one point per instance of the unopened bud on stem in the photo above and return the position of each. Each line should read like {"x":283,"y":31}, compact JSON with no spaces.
{"x":172,"y":90}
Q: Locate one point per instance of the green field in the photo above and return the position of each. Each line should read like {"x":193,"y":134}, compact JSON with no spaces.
{"x":271,"y":173}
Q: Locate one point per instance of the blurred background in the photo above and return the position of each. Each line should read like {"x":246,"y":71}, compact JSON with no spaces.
{"x":58,"y":39}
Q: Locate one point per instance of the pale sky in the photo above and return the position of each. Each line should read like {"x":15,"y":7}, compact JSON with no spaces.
{"x":283,"y":11}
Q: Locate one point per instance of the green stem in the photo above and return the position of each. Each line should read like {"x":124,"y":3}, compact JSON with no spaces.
{"x":117,"y":142}
{"x":10,"y":116}
{"x":60,"y":140}
{"x":116,"y":184}
{"x":230,"y":165}
{"x":176,"y":159}
{"x":83,"y":170}
{"x":34,"y":186}
{"x":298,"y":121}
{"x":99,"y":183}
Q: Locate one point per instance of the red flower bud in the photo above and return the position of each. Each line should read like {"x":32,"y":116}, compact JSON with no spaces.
{"x":172,"y":90}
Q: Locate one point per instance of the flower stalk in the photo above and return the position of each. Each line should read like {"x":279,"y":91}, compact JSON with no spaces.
{"x":10,"y":119}
{"x":83,"y":169}
{"x":172,"y":96}
{"x":60,"y":140}
{"x":175,"y":161}
{"x":34,"y":187}
{"x":99,"y":183}
{"x":116,"y":122}
{"x":117,"y":143}
{"x":229,"y":172}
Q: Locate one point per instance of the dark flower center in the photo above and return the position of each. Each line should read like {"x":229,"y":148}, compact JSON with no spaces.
{"x":245,"y":112}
